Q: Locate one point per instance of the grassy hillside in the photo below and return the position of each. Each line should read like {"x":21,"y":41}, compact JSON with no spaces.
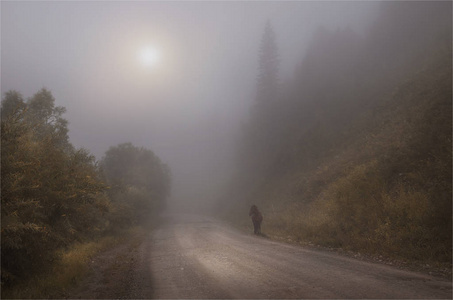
{"x":387,"y":188}
{"x":358,"y":152}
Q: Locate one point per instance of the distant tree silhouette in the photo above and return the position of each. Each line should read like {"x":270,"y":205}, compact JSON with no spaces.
{"x":260,"y":134}
{"x":138,"y":173}
{"x":267,"y":85}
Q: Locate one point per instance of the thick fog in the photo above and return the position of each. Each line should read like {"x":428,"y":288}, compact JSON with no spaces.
{"x":187,"y":106}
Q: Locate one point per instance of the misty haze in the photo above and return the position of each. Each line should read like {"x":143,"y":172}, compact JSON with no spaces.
{"x":230,"y":149}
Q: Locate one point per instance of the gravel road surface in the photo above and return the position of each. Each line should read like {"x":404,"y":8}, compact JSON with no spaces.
{"x":198,"y":257}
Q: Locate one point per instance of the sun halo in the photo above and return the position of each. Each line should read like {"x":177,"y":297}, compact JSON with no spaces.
{"x":149,"y":56}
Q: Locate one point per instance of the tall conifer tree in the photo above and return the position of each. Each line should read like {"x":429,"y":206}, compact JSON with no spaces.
{"x":268,"y":67}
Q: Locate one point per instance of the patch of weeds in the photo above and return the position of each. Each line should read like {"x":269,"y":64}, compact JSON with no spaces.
{"x":69,"y":269}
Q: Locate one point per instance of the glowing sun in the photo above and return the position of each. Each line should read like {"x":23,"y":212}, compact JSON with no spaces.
{"x":149,"y":57}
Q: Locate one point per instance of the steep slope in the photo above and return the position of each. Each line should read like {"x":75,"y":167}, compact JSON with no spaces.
{"x":359,"y":153}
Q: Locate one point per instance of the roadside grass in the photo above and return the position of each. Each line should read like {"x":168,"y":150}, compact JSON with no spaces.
{"x":361,"y":212}
{"x":69,"y":269}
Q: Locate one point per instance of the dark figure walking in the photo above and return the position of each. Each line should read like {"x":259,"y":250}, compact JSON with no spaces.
{"x":257,"y":218}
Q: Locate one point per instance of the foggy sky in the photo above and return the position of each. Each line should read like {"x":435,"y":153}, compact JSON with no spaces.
{"x":189,"y":107}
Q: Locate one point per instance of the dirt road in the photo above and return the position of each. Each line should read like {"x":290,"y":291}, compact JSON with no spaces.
{"x":198,"y":257}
